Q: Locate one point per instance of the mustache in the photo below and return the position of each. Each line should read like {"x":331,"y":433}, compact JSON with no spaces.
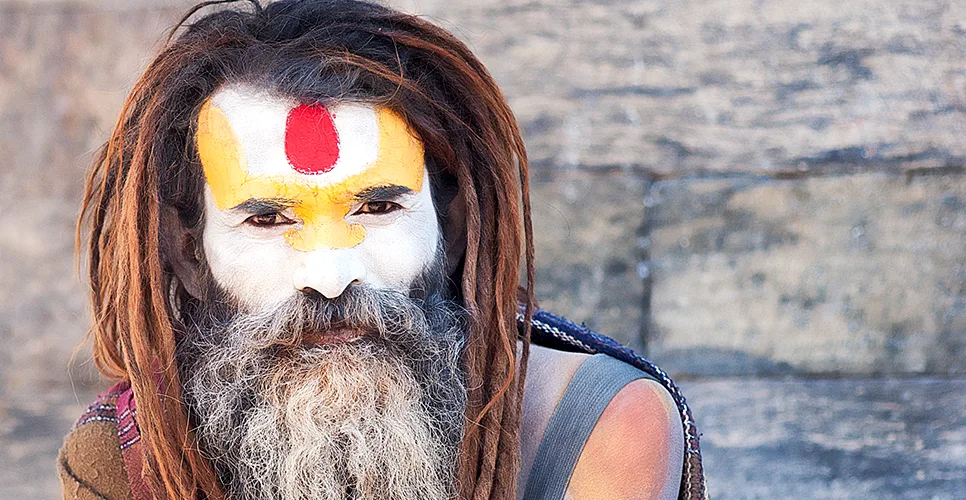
{"x":379,"y":315}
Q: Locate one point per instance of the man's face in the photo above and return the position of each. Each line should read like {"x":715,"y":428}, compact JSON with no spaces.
{"x":305,"y":197}
{"x":337,"y":201}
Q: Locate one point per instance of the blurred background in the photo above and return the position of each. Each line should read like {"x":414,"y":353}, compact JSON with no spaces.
{"x":767,"y":197}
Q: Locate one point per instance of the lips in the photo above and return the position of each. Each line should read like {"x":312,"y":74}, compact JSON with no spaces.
{"x":334,"y":335}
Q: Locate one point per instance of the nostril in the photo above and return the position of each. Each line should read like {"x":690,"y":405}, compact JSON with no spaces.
{"x":311,"y":293}
{"x":328,"y":272}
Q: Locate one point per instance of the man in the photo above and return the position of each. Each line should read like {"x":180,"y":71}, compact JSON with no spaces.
{"x":305,"y":238}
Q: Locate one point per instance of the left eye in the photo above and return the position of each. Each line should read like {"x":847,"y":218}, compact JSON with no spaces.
{"x":377,"y":208}
{"x":268,"y":220}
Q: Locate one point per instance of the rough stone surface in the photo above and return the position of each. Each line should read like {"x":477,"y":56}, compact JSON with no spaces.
{"x":675,"y":87}
{"x":856,"y":274}
{"x":727,"y":86}
{"x":825,"y":439}
{"x":586,"y":229}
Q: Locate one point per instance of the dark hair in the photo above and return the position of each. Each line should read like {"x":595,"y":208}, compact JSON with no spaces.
{"x":314,"y":51}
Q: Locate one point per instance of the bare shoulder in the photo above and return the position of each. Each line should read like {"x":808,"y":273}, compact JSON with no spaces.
{"x":636,"y":450}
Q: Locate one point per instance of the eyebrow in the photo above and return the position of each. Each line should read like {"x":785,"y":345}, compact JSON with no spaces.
{"x":264,"y":205}
{"x":389,"y":192}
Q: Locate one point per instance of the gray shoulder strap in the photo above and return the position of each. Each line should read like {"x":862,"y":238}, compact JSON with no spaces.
{"x":593,"y":386}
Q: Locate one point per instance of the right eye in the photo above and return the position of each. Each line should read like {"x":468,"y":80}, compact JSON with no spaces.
{"x":269,"y":220}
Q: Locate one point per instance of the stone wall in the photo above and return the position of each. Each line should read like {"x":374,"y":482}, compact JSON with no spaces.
{"x":746,"y":188}
{"x":753,"y":188}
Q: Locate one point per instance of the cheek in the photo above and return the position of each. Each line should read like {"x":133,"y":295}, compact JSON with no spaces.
{"x":256,"y":273}
{"x":395,"y":255}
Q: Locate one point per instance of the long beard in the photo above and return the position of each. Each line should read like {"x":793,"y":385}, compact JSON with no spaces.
{"x":378,"y":417}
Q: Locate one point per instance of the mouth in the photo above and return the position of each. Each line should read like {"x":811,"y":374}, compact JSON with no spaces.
{"x":335,"y":335}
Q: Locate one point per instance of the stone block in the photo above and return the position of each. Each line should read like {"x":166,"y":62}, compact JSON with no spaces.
{"x":771,"y":86}
{"x":860,"y":274}
{"x":586,"y":232}
{"x":672,"y":87}
{"x":832,"y":439}
{"x":774,"y":87}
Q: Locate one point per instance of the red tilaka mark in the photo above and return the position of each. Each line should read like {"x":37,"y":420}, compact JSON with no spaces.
{"x":311,"y":141}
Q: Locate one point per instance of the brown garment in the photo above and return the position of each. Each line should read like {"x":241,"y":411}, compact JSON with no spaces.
{"x":90,"y":463}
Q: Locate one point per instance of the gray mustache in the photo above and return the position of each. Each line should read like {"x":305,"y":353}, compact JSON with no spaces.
{"x":382,"y":315}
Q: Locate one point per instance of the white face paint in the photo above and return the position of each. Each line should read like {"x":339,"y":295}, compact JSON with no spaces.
{"x":304,"y":197}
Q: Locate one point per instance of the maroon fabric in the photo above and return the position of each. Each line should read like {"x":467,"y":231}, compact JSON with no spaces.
{"x":130,"y":441}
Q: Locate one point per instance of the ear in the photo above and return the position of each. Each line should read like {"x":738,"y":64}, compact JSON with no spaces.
{"x":454,"y":232}
{"x":180,"y":247}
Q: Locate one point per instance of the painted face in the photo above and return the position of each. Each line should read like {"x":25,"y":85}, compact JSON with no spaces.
{"x":308,"y":197}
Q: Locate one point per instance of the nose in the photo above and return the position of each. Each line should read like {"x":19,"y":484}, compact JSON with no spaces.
{"x":329,"y":271}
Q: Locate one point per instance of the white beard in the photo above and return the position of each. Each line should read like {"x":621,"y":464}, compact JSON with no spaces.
{"x":376,"y":418}
{"x":345,"y":423}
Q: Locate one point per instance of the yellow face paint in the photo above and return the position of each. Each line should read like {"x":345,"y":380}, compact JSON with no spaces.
{"x":321,"y":207}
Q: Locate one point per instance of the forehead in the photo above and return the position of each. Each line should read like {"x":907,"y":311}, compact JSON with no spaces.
{"x":258,"y":147}
{"x":267,"y":135}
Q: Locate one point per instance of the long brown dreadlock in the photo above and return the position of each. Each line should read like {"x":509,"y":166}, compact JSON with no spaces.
{"x":315,"y":51}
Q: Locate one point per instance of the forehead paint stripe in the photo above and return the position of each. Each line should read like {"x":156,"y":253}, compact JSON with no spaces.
{"x":311,"y":141}
{"x":321,"y":208}
{"x":399,"y":149}
{"x":221,"y":154}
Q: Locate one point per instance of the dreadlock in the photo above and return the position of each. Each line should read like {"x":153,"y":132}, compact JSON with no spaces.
{"x":316,"y":51}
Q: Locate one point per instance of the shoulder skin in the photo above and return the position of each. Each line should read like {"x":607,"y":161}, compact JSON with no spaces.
{"x":636,"y":450}
{"x":639,"y":441}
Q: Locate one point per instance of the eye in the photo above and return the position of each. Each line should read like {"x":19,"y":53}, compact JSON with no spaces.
{"x":377,"y":208}
{"x":269,"y":220}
